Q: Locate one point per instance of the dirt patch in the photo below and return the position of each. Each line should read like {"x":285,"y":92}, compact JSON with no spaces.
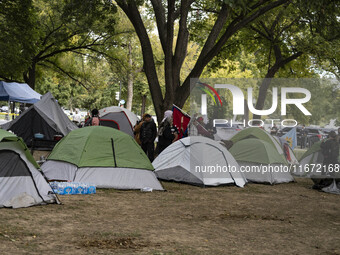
{"x":258,"y":219}
{"x":38,"y":154}
{"x":252,"y":217}
{"x":115,"y":243}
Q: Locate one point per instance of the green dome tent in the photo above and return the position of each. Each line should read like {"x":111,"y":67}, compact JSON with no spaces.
{"x":312,"y":156}
{"x":21,"y":183}
{"x":261,"y":162}
{"x":311,"y":165}
{"x":259,"y":133}
{"x":276,"y":142}
{"x":103,"y":156}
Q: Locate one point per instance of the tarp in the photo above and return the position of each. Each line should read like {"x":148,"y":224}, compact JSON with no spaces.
{"x":18,"y":92}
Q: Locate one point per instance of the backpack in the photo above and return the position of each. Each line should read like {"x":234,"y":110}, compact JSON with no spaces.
{"x":93,"y":121}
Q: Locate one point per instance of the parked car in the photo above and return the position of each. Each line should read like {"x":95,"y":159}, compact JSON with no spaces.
{"x":225,"y":130}
{"x":326,"y":131}
{"x":4,"y":108}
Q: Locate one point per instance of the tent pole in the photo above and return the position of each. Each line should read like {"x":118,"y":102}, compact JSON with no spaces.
{"x":9,"y":110}
{"x":13,"y":110}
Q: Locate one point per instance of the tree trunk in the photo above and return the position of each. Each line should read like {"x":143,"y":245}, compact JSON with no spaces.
{"x":263,"y":92}
{"x":143,"y":105}
{"x":29,"y":77}
{"x":174,"y":93}
{"x":269,"y":76}
{"x":130,"y":80}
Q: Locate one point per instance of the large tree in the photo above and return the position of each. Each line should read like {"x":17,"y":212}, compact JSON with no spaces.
{"x":54,"y":27}
{"x":220,"y":19}
{"x":288,"y":34}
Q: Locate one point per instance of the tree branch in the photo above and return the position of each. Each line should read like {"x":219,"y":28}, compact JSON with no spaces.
{"x":64,"y":72}
{"x":160,"y":21}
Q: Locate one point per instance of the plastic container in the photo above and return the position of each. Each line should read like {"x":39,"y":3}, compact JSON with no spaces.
{"x":146,"y":189}
{"x":39,"y":136}
{"x":73,"y":188}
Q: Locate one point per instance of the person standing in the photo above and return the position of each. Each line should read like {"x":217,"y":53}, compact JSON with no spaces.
{"x":167,"y":133}
{"x":274,"y":129}
{"x":202,"y":129}
{"x":94,"y":120}
{"x":330,"y":152}
{"x":136,"y":129}
{"x":303,"y":134}
{"x":148,"y":133}
{"x":330,"y":149}
{"x":77,"y":118}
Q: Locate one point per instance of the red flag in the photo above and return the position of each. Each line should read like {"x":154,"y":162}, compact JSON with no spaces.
{"x":180,"y":120}
{"x":287,"y":153}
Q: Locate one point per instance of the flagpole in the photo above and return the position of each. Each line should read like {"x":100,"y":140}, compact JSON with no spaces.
{"x":181,"y":110}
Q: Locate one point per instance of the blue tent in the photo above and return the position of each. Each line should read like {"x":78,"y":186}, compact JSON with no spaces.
{"x":18,"y":92}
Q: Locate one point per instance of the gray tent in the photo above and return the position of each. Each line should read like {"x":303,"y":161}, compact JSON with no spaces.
{"x":21,"y":184}
{"x":44,"y":117}
{"x":117,"y":120}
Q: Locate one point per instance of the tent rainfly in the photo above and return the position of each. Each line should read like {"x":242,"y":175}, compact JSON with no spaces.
{"x":103,"y":156}
{"x":277,"y":143}
{"x":21,"y":183}
{"x":44,"y":117}
{"x":261,"y":162}
{"x":200,"y":161}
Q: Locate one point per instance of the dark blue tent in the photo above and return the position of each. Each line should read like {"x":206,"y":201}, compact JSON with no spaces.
{"x":18,"y":92}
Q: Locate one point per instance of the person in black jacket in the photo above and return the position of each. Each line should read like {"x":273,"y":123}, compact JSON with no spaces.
{"x":167,"y":132}
{"x":330,"y":152}
{"x":148,"y":133}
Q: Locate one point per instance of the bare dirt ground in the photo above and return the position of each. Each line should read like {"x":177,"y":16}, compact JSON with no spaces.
{"x":258,"y":219}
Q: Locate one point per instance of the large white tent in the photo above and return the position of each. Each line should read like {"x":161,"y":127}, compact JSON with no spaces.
{"x":199,"y":161}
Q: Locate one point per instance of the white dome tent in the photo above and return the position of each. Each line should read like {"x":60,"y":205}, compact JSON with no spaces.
{"x":21,"y":183}
{"x":198,"y":161}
